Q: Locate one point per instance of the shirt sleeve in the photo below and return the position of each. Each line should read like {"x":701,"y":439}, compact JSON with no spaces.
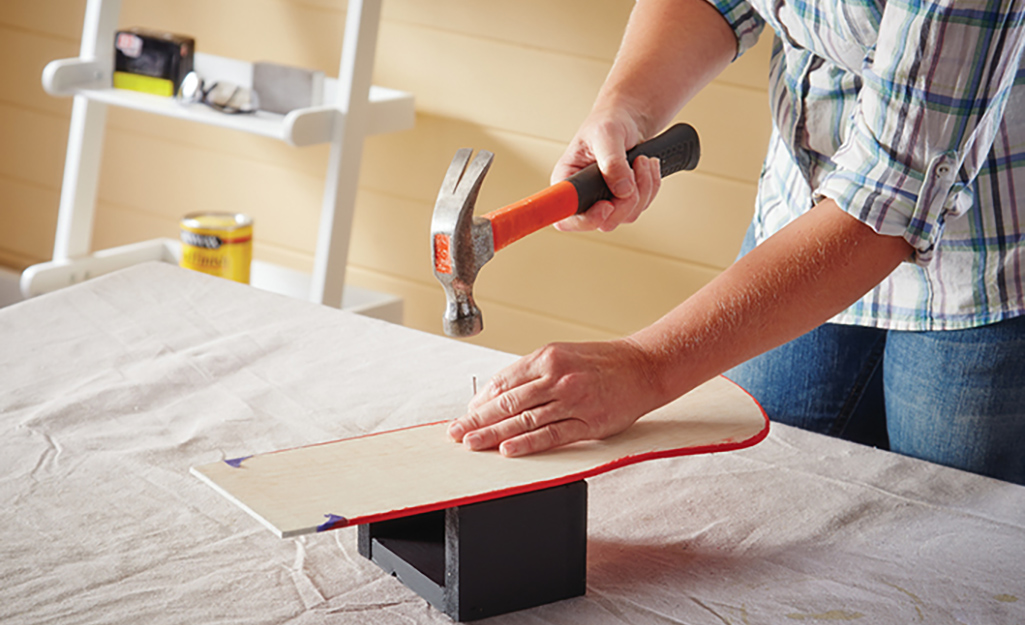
{"x":743,"y":19}
{"x":932,"y":99}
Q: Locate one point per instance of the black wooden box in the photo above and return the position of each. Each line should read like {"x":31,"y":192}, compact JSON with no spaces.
{"x":491,"y":557}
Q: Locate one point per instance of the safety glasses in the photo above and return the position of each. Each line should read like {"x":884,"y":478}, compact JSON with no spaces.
{"x":225,"y":97}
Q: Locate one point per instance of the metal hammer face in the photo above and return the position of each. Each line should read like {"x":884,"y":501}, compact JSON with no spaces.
{"x":461,"y":243}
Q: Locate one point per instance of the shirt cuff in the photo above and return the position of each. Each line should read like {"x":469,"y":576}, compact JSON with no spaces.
{"x":894,"y":199}
{"x":742,"y":18}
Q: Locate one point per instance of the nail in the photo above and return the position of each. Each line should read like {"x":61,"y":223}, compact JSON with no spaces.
{"x":473,"y":441}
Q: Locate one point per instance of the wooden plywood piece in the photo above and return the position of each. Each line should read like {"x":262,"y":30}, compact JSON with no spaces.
{"x":419,"y":469}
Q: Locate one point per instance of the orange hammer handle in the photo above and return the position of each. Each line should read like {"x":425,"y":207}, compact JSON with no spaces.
{"x":515,"y":221}
{"x":677,"y":149}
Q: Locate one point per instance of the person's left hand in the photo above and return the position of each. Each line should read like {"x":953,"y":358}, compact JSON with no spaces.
{"x":562,"y":393}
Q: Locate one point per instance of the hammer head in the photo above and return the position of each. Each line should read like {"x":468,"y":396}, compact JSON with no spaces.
{"x":460,"y":243}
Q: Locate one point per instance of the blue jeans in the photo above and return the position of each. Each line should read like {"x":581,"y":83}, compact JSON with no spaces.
{"x":954,"y":397}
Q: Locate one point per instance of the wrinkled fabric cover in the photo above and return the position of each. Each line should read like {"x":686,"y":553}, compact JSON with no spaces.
{"x":112,"y":389}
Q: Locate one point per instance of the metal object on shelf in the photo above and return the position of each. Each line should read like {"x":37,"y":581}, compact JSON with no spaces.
{"x":222,"y":96}
{"x":283,"y":89}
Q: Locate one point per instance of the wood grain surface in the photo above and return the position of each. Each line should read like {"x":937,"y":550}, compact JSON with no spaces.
{"x":419,"y":469}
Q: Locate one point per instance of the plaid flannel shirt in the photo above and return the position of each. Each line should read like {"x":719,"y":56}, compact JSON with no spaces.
{"x":910,"y":114}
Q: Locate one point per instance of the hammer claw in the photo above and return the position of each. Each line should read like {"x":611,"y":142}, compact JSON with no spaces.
{"x":464,"y":177}
{"x":474,"y":175}
{"x":455,"y":171}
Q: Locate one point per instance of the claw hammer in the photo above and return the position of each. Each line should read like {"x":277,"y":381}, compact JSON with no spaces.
{"x":461,"y":243}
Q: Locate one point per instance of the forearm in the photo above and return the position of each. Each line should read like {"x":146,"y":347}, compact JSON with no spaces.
{"x":793,"y":282}
{"x":670,"y":50}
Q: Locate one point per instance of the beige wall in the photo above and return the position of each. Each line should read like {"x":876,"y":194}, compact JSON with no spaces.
{"x":511,"y":76}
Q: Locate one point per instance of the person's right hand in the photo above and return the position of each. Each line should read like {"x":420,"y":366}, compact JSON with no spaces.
{"x":604,"y":138}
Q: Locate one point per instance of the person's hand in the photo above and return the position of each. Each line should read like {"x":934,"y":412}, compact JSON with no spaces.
{"x":562,"y":393}
{"x":605,"y":139}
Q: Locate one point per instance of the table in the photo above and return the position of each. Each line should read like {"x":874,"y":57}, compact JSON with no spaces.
{"x":110,"y":390}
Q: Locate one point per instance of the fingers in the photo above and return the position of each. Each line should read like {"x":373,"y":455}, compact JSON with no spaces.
{"x":610,"y":155}
{"x":603,"y":142}
{"x":548,"y":437}
{"x":520,"y":410}
{"x":646,"y":173}
{"x":518,"y":387}
{"x":527,"y":421}
{"x":496,"y":402}
{"x":593,"y":219}
{"x":529,"y":432}
{"x":606,"y":216}
{"x":560,"y":394}
{"x":604,"y":138}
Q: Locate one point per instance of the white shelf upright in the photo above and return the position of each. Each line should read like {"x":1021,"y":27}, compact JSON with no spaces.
{"x":353,"y":110}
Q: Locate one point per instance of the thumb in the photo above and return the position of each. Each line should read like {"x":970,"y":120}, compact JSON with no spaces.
{"x":611,"y":157}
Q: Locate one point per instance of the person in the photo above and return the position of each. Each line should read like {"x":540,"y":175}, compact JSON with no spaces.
{"x":882,"y":274}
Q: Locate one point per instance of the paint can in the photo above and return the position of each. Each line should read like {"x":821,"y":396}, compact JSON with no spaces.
{"x":219,"y":244}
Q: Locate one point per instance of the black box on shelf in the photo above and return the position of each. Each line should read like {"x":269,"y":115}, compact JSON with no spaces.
{"x":151,"y":61}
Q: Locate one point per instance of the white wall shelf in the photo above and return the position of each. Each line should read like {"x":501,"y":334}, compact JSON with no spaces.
{"x":353,"y":109}
{"x":389,"y":110}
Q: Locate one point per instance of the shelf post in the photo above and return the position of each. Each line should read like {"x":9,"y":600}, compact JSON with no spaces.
{"x":340,"y":186}
{"x":81,"y":179}
{"x":85,"y":137}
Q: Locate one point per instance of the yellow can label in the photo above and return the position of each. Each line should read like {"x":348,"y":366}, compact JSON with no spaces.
{"x":219,"y":244}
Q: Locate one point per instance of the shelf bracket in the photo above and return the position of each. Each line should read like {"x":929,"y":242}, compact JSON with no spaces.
{"x":309,"y":126}
{"x":63,"y":77}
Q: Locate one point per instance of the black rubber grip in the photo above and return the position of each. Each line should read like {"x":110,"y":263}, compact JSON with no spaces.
{"x":677,"y":149}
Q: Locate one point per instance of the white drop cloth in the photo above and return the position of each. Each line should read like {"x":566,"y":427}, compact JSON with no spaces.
{"x":112,"y":389}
